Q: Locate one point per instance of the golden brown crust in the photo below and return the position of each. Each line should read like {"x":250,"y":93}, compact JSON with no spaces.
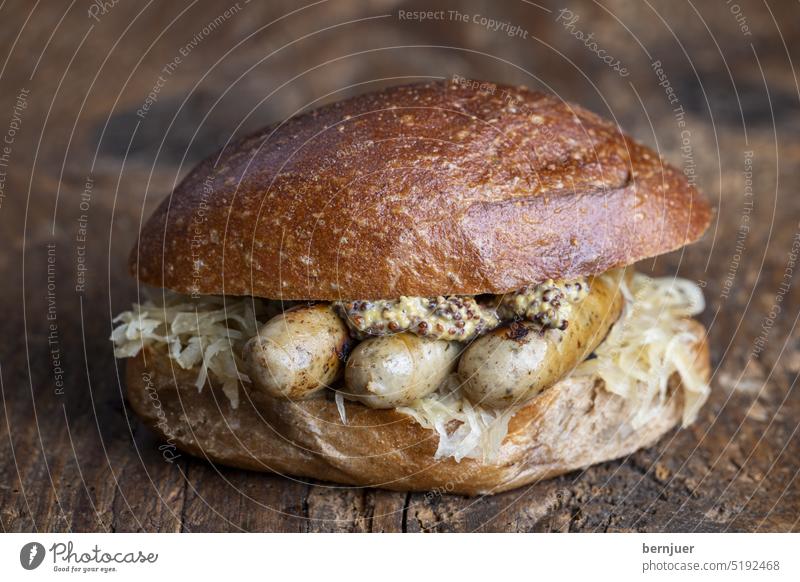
{"x":574,"y":424}
{"x":420,"y":190}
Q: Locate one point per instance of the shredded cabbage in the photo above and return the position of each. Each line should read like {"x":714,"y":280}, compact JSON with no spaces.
{"x":465,"y":430}
{"x":208,"y":332}
{"x":338,"y":397}
{"x":651,"y":341}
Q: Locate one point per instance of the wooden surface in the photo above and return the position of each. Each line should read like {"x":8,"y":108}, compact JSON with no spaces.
{"x":72,"y":457}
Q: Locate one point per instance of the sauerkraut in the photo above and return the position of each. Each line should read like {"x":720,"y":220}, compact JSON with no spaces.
{"x":207,"y":333}
{"x":651,"y":341}
{"x":465,"y":430}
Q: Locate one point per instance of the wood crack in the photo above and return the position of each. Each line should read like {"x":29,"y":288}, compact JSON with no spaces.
{"x":185,"y":498}
{"x":406,"y":503}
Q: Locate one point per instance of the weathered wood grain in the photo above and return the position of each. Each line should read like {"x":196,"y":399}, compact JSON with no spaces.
{"x":79,"y":461}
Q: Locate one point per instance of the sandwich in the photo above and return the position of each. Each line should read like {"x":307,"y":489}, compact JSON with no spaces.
{"x":428,"y":287}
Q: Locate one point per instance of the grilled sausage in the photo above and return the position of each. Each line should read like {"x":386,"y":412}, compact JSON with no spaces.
{"x":513,"y":363}
{"x":298,"y":353}
{"x":395,"y":370}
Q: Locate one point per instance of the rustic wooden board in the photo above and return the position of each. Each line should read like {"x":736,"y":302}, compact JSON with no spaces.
{"x":73,"y":458}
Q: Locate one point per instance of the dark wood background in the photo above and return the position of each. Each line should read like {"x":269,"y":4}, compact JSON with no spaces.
{"x":73,"y":458}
